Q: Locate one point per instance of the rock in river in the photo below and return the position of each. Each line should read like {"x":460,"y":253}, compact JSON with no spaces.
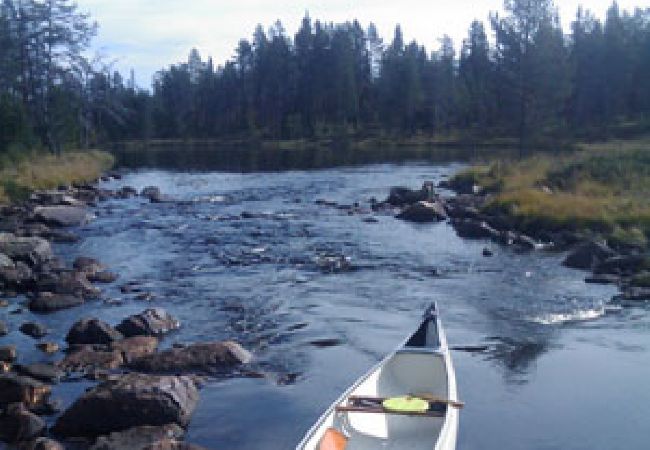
{"x":46,"y":302}
{"x":17,"y":389}
{"x":587,"y":255}
{"x":474,"y":229}
{"x":422,"y":212}
{"x":400,"y":195}
{"x":151,"y":322}
{"x":17,"y":423}
{"x":63,"y":216}
{"x":43,"y":443}
{"x":4,"y":330}
{"x":92,"y":331}
{"x":88,"y":358}
{"x":8,"y":353}
{"x":31,"y":250}
{"x":47,"y":373}
{"x":135,"y":347}
{"x":33,"y":329}
{"x":138,"y":438}
{"x":130,"y":401}
{"x":203,"y":357}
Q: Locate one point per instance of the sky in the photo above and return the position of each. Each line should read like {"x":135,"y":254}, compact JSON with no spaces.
{"x":148,"y":35}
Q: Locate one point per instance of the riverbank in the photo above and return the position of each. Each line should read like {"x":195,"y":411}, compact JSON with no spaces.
{"x":25,"y":173}
{"x":595,"y":201}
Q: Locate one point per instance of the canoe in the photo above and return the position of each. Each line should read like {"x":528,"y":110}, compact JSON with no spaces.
{"x":420,"y":368}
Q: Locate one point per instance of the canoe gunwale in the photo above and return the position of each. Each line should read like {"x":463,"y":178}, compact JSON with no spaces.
{"x":450,"y":417}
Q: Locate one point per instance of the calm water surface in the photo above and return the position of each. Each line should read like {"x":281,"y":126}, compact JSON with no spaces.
{"x":563,"y":370}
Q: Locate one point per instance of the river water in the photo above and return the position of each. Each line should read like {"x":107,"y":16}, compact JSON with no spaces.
{"x":246,"y":253}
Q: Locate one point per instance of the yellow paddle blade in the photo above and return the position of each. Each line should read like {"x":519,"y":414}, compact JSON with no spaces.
{"x":406,"y":404}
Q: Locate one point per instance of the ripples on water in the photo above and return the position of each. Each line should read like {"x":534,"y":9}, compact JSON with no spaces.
{"x":320,"y":295}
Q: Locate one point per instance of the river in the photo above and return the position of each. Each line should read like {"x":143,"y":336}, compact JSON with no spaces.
{"x":562,"y":370}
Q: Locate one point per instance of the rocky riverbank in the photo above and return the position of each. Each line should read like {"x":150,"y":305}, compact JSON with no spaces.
{"x":143,"y":398}
{"x":469,"y":212}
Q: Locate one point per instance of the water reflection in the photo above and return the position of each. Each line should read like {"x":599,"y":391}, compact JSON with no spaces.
{"x":207,"y":157}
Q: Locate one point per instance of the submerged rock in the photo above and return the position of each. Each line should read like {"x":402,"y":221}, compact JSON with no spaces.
{"x":151,"y":322}
{"x":43,"y":443}
{"x":4,"y":330}
{"x":92,"y":331}
{"x":88,"y":265}
{"x":204,"y":357}
{"x":130,"y":401}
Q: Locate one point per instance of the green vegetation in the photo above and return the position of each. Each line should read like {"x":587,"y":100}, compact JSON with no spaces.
{"x":602,"y":187}
{"x":22,"y":175}
{"x":533,"y":83}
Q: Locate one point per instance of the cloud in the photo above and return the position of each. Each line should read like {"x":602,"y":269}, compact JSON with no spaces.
{"x":149,"y":35}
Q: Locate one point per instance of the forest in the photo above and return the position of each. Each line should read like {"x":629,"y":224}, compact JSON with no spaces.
{"x":520,"y":76}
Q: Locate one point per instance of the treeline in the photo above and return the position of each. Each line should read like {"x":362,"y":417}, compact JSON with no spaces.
{"x":520,"y":76}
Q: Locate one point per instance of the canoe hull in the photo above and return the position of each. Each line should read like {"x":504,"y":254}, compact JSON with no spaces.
{"x":421,"y":365}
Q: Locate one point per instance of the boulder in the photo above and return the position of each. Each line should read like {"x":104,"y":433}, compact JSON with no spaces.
{"x":130,"y":401}
{"x":20,"y":277}
{"x":623,"y":265}
{"x":92,"y":331}
{"x":588,"y":255}
{"x":155,"y":196}
{"x":151,"y":322}
{"x":22,"y":389}
{"x":19,"y":424}
{"x":43,"y":443}
{"x":48,"y":347}
{"x":138,"y":438}
{"x":87,"y":358}
{"x":102,"y":277}
{"x":46,"y":302}
{"x":474,"y":229}
{"x":135,"y":347}
{"x":68,"y":283}
{"x":62,"y":216}
{"x":635,"y":294}
{"x":47,"y":373}
{"x":88,"y":265}
{"x":33,"y":251}
{"x":126,"y":192}
{"x":6,"y":262}
{"x":401,"y":196}
{"x":204,"y":357}
{"x":8,"y":353}
{"x":423,"y":212}
{"x":525,"y":242}
{"x":33,"y":329}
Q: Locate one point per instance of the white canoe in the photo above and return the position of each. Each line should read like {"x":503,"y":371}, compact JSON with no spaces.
{"x":421,"y":365}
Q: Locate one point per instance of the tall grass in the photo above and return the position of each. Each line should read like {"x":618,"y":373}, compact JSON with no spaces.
{"x":604,"y":187}
{"x":20,"y":175}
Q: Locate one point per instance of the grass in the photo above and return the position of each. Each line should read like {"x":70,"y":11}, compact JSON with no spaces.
{"x":601,"y":187}
{"x":21,"y":175}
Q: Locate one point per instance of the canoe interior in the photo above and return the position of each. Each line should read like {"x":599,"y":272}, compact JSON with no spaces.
{"x":422,"y":365}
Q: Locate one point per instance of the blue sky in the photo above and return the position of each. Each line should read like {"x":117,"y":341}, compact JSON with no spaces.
{"x":147,"y":35}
